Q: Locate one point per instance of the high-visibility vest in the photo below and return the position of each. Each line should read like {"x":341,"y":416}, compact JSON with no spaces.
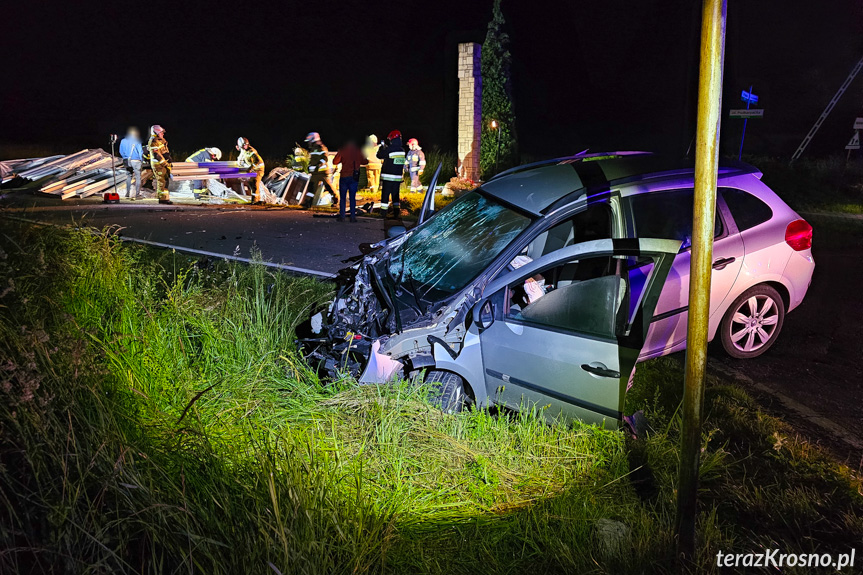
{"x":251,"y":159}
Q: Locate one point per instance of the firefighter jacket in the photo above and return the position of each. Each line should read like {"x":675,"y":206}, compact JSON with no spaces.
{"x":251,"y":160}
{"x":201,"y":155}
{"x":318,"y":161}
{"x":394,"y":161}
{"x":371,"y":153}
{"x":158,"y":149}
{"x":415,"y":161}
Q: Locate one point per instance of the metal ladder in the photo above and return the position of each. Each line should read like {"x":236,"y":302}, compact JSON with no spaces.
{"x":827,"y":110}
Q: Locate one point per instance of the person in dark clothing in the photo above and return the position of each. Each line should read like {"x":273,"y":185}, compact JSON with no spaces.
{"x":392,"y":172}
{"x":350,"y":157}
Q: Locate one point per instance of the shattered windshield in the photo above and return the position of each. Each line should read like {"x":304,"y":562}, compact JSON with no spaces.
{"x":452,"y":248}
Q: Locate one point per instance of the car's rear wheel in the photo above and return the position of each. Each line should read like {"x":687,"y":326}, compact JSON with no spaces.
{"x":753,"y":322}
{"x":447,"y":390}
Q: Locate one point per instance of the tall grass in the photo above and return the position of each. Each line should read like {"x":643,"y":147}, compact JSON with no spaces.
{"x":158,"y":419}
{"x":155,"y":418}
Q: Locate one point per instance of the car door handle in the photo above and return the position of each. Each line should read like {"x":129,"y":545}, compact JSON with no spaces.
{"x":722,"y":262}
{"x":600,"y":370}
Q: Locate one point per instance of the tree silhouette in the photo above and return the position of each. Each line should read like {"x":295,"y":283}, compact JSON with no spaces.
{"x":497,"y":97}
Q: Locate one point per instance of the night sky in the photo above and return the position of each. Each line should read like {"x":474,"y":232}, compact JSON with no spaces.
{"x":603,"y":75}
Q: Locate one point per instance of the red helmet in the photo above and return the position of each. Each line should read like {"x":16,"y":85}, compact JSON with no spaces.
{"x":394,"y":134}
{"x":413,"y":141}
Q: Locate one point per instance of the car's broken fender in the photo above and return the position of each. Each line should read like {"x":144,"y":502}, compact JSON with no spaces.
{"x":380,"y":367}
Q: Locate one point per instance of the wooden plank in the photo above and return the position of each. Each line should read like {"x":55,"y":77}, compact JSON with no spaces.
{"x":92,"y":182}
{"x":56,"y":185}
{"x":184,"y":177}
{"x":100,"y":186}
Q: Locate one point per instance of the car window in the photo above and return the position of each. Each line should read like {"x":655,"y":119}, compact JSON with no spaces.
{"x":584,"y":296}
{"x":592,"y":223}
{"x":667,"y":215}
{"x":453,"y":247}
{"x":747,"y":210}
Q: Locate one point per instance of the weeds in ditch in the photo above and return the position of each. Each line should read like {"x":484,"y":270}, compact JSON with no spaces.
{"x":157,"y":419}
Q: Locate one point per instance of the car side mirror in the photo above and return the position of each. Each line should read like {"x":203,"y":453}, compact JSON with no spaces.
{"x":483,"y":315}
{"x":395,"y":231}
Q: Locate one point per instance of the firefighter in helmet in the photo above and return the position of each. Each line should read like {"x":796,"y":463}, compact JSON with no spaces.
{"x":203,"y":155}
{"x":319,"y":168}
{"x":160,"y":162}
{"x":373,"y":169}
{"x":392,"y":171}
{"x":251,"y":160}
{"x":415,"y":164}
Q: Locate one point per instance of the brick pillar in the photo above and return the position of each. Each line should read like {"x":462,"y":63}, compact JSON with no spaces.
{"x":469,"y":109}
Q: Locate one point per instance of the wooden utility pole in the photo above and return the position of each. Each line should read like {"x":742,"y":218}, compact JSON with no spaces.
{"x":704,"y":213}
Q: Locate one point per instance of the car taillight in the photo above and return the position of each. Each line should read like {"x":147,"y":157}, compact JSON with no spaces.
{"x":798,"y":235}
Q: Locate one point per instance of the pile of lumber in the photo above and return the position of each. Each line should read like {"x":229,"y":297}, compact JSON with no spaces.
{"x":77,"y":175}
{"x":181,"y":171}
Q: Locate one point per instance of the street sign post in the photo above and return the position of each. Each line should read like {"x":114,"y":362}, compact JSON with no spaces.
{"x":750,"y":98}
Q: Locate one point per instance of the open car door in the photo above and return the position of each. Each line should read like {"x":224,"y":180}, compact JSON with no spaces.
{"x":563,"y":332}
{"x":428,"y":208}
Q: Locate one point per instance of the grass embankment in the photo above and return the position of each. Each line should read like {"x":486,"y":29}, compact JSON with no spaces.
{"x":829,"y":184}
{"x":156,"y":419}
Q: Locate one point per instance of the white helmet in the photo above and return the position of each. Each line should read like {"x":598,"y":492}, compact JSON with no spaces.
{"x":373,"y":139}
{"x":242,"y":142}
{"x":215,"y":152}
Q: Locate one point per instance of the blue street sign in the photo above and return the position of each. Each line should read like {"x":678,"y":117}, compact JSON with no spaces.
{"x":748,"y":97}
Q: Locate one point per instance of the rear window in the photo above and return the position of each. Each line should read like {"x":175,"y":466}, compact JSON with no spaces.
{"x":667,"y":215}
{"x":747,"y":210}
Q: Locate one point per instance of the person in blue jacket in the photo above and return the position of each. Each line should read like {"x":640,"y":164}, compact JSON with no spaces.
{"x":133,"y":158}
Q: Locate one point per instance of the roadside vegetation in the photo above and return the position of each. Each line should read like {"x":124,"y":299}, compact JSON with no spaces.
{"x":155,"y":418}
{"x":831,"y":184}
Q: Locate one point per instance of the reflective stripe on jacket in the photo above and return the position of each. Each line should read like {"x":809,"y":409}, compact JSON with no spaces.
{"x":201,"y":155}
{"x":415,"y":161}
{"x":318,"y":160}
{"x":158,"y":148}
{"x":251,"y":159}
{"x":394,"y":160}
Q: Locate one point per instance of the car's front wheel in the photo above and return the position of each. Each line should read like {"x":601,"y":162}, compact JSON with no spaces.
{"x":753,"y":322}
{"x":447,"y":390}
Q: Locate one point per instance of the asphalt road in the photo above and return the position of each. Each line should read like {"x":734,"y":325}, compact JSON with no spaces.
{"x":282,"y":235}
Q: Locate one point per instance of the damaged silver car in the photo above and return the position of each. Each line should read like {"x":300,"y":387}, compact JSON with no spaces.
{"x":525,"y":290}
{"x":535,"y":289}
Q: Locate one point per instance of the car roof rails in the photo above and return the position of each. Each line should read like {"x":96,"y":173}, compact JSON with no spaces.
{"x":581,"y":156}
{"x":647,"y":165}
{"x":538,"y":164}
